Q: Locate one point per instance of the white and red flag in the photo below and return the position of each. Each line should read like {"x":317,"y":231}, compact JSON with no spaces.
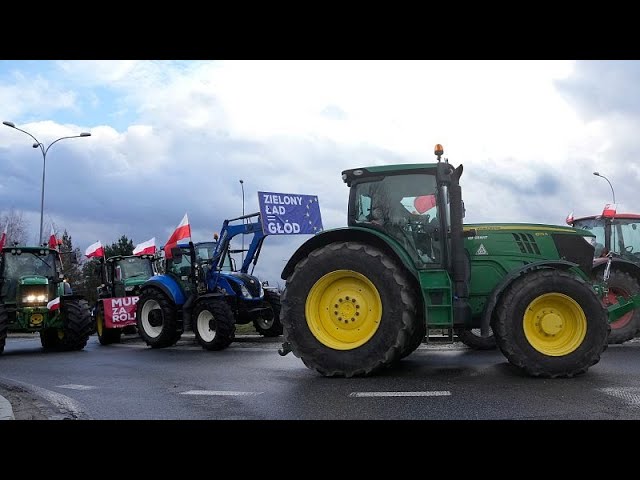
{"x":53,"y":241}
{"x":182,"y":232}
{"x":54,"y":304}
{"x":3,"y":237}
{"x":148,"y":247}
{"x":94,"y":250}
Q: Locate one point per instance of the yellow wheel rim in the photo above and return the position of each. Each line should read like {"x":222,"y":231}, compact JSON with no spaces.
{"x":343,"y":310}
{"x":60,"y":334}
{"x":99,"y":324}
{"x":555,"y":324}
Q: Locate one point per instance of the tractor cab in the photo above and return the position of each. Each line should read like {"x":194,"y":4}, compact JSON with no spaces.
{"x":127,"y":273}
{"x":616,"y":232}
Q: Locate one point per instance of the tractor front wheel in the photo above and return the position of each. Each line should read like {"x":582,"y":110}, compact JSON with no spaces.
{"x":77,"y":324}
{"x":551,"y":324}
{"x":106,"y":336}
{"x":268,"y":324}
{"x":349,"y":309}
{"x":621,"y":284}
{"x":157,"y":319}
{"x":214,"y":324}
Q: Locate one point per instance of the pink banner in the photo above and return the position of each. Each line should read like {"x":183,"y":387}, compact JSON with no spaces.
{"x":119,"y":312}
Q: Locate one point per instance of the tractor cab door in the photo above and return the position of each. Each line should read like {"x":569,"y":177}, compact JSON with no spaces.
{"x":404,"y":207}
{"x":182,"y":269}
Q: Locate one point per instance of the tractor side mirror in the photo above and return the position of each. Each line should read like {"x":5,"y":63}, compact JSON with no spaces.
{"x":176,"y":253}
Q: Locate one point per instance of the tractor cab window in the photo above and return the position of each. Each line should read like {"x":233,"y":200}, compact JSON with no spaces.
{"x":627,"y":236}
{"x":597,"y":228}
{"x":204,"y":251}
{"x":180,"y":267}
{"x":403,"y":207}
{"x":17,"y":265}
{"x":134,"y":267}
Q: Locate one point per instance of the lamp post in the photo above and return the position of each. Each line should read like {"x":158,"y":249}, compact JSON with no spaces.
{"x":44,"y":163}
{"x":612,"y":192}
{"x":242,"y":253}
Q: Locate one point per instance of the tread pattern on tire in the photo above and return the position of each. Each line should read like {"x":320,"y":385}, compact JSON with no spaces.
{"x":77,"y":324}
{"x":225,"y":324}
{"x":169,"y":334}
{"x":536,"y":364}
{"x":315,"y":356}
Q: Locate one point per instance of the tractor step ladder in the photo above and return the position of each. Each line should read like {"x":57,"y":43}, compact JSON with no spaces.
{"x":437,"y":295}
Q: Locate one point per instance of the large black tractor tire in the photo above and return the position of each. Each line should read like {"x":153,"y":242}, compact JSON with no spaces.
{"x":271,"y":326}
{"x":473,"y":338}
{"x":50,"y":338}
{"x":4,"y":326}
{"x":77,"y":324}
{"x":416,"y":338}
{"x":213,"y":323}
{"x":348,"y":309}
{"x":157,"y":319}
{"x":551,"y":324}
{"x":106,"y":336}
{"x":622,"y":284}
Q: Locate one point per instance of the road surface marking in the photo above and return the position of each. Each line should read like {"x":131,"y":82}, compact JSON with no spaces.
{"x":73,"y":386}
{"x":223,"y":393}
{"x":630,"y":395}
{"x":441,"y":393}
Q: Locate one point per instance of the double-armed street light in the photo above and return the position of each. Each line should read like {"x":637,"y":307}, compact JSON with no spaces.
{"x":44,"y":151}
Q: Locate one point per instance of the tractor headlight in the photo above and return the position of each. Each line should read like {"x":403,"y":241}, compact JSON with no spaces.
{"x":245,"y":292}
{"x":34,"y":299}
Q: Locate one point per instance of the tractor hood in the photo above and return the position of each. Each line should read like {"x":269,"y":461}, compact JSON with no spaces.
{"x":531,"y":242}
{"x":250,"y":282}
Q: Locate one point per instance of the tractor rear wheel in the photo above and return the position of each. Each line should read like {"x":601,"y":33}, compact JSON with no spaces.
{"x":621,"y":284}
{"x":4,"y":326}
{"x":551,"y":324}
{"x":472,"y":338}
{"x":77,"y":324}
{"x":157,"y":319}
{"x":268,"y":325}
{"x":213,"y":323}
{"x":348,"y":309}
{"x":106,"y":336}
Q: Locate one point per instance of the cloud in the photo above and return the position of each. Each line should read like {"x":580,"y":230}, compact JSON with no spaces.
{"x":175,"y":137}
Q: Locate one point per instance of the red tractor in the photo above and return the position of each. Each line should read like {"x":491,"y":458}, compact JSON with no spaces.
{"x":618,"y":233}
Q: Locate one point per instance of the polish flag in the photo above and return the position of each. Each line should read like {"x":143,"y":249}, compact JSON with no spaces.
{"x":3,"y":237}
{"x":148,"y":247}
{"x":53,"y":241}
{"x":609,"y":210}
{"x":94,"y":250}
{"x":54,"y":304}
{"x":182,"y":232}
{"x":570,"y":219}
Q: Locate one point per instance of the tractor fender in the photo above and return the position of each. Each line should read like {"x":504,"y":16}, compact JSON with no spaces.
{"x":168,"y":286}
{"x":621,"y":264}
{"x":350,"y":234}
{"x":515,"y":274}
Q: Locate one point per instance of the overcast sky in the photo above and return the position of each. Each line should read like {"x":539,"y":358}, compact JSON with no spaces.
{"x":175,"y":137}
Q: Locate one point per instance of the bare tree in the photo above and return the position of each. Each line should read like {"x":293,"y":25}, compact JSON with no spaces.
{"x":17,"y":226}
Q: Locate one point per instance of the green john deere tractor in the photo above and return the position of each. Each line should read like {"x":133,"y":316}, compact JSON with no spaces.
{"x":360,"y":298}
{"x":35,"y":298}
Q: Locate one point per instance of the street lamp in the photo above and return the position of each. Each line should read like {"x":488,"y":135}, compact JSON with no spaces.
{"x":612,"y":192}
{"x":242,"y":254}
{"x":44,"y":162}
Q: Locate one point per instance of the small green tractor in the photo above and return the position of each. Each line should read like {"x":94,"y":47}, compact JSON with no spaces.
{"x":360,"y":298}
{"x":115,"y":309}
{"x":34,"y":297}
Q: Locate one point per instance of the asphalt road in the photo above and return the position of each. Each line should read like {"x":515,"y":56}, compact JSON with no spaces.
{"x":250,"y":381}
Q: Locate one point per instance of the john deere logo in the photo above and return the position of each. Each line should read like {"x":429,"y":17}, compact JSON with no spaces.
{"x":36,"y":319}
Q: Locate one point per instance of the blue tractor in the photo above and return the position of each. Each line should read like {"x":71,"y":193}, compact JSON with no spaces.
{"x":201,"y":288}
